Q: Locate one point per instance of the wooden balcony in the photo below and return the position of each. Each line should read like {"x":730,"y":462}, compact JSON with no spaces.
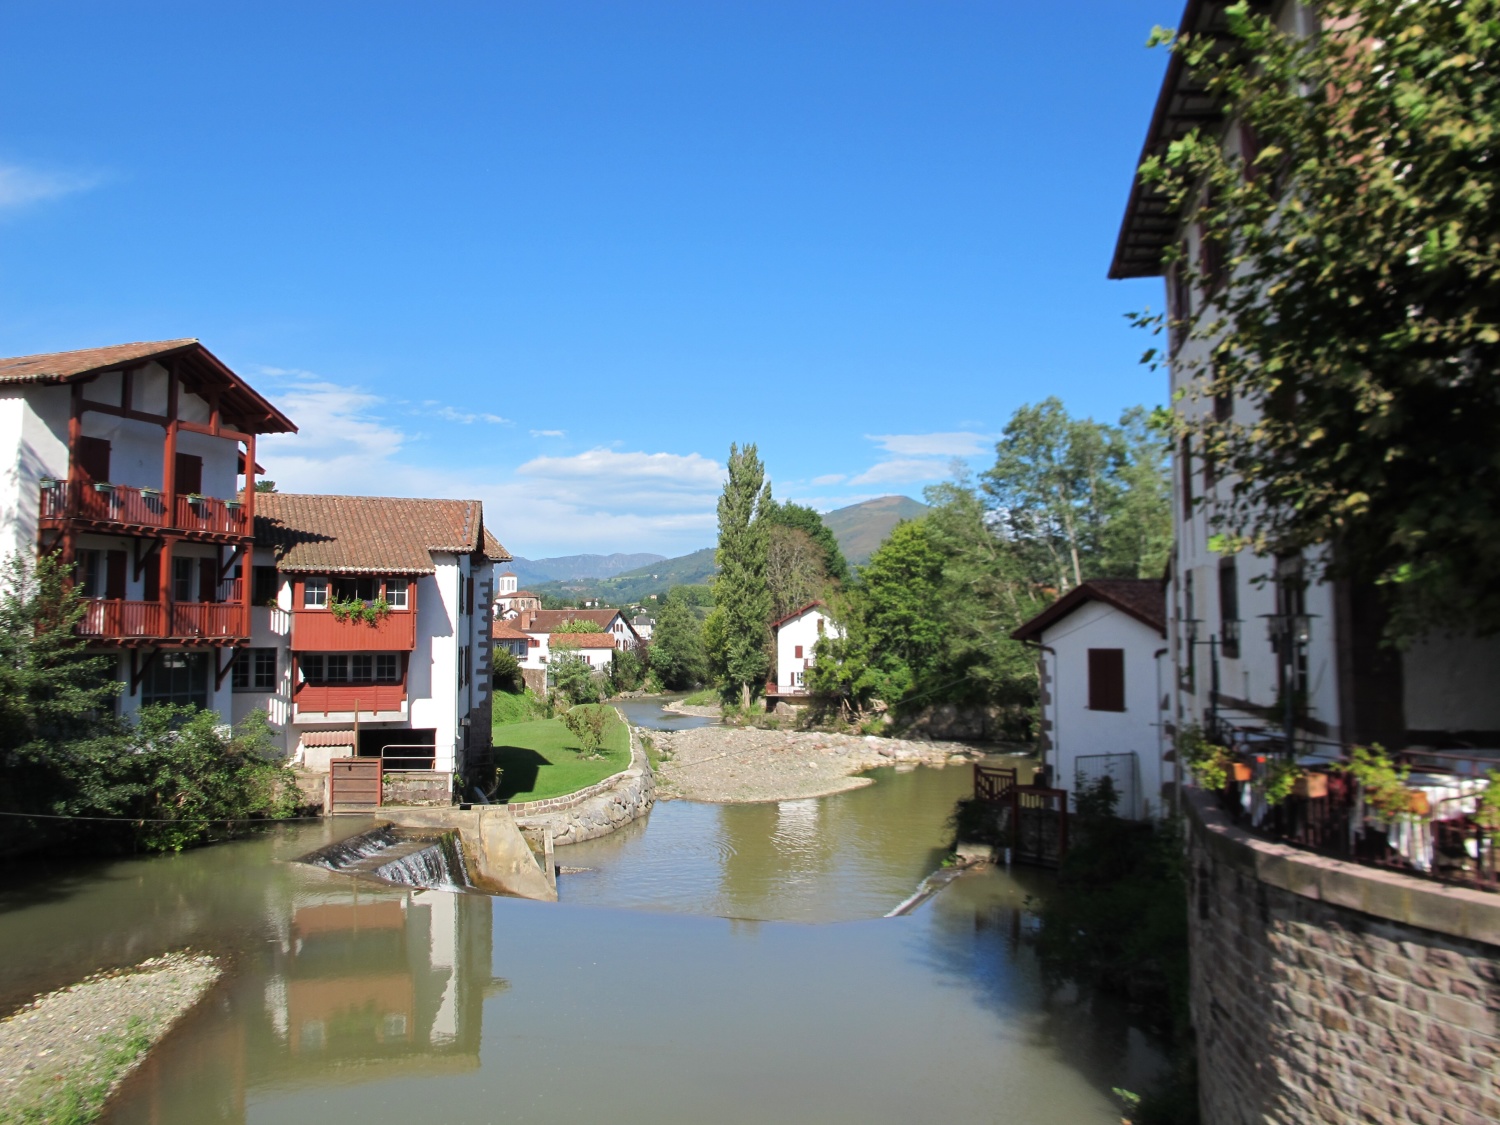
{"x":114,"y":505}
{"x":327,"y":699}
{"x":318,"y":630}
{"x":113,"y":619}
{"x":208,"y":516}
{"x":120,"y":507}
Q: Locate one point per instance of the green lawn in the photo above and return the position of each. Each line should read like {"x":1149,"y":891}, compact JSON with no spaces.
{"x":541,"y":759}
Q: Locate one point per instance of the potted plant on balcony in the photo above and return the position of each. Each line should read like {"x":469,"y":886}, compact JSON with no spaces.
{"x":355,"y":609}
{"x":196,"y":499}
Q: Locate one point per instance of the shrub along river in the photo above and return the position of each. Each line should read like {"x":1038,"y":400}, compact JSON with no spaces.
{"x":708,"y":964}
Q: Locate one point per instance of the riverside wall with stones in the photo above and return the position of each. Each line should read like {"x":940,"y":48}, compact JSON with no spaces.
{"x":597,"y":810}
{"x":1324,"y":991}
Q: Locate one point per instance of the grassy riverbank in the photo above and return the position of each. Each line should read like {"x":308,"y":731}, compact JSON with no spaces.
{"x":541,"y":758}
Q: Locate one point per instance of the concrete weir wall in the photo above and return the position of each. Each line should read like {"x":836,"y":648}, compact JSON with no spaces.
{"x":1325,"y":991}
{"x":500,"y":861}
{"x":597,"y":810}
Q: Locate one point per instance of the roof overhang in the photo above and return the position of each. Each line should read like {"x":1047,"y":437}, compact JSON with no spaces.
{"x":1076,"y":599}
{"x":1182,"y":105}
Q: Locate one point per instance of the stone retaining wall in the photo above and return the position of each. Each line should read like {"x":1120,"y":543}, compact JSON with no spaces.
{"x":1324,"y":991}
{"x":597,"y":810}
{"x":417,"y":787}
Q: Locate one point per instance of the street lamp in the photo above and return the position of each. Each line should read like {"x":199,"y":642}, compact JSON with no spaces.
{"x":1288,"y":633}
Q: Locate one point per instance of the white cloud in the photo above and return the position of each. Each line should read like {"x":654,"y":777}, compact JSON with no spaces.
{"x":463,"y":417}
{"x":964,"y":443}
{"x":549,"y":433}
{"x":830,"y":478}
{"x":902,"y":470}
{"x":20,"y":186}
{"x":602,"y":500}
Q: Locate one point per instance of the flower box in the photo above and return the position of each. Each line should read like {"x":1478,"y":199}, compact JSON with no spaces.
{"x":1311,"y":786}
{"x":1418,"y":803}
{"x":1239,"y":771}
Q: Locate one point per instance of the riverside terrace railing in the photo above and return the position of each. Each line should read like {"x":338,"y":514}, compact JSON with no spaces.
{"x":1438,"y":838}
{"x":993,"y":784}
{"x":142,"y":507}
{"x":407,"y":757}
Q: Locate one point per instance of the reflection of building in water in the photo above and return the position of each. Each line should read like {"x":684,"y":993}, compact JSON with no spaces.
{"x":361,"y":984}
{"x":368,"y":976}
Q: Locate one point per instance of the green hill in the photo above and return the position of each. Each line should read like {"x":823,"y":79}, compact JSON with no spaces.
{"x":860,"y":528}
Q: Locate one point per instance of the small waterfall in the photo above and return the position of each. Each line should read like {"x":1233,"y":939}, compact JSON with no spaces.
{"x":408,"y":859}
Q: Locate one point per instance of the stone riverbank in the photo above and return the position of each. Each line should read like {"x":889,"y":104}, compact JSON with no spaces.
{"x":739,"y":765}
{"x":64,"y":1052}
{"x":597,"y":810}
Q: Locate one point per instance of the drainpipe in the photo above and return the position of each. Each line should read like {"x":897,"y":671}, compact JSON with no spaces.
{"x":1041,"y":661}
{"x":1161,"y":736}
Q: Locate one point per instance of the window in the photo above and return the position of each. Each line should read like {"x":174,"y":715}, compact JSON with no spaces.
{"x":315,"y":593}
{"x":1229,"y":608}
{"x":179,"y":678}
{"x":1185,"y":455}
{"x":350,"y":668}
{"x":797,"y":651}
{"x":1106,"y":679}
{"x":363,"y":588}
{"x":820,"y":626}
{"x":88,"y":573}
{"x":255,"y":670}
{"x":182,"y":580}
{"x":266,"y":585}
{"x":395,"y":593}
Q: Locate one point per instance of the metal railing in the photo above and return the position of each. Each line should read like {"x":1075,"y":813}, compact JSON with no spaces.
{"x":407,"y":762}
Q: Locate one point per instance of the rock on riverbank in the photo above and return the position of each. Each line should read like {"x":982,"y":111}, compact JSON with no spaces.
{"x":734,"y":765}
{"x":67,"y":1050}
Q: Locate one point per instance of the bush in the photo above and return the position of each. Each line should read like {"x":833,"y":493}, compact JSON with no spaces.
{"x":626,"y":670}
{"x":505,"y":671}
{"x":575,"y":680}
{"x":587,"y":725}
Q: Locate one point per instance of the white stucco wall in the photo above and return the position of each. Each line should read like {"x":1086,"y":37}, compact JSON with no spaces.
{"x":802,"y":631}
{"x":34,"y":446}
{"x":1075,"y":730}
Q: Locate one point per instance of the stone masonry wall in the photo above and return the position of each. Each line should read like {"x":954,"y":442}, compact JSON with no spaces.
{"x":597,"y":810}
{"x":1328,"y":992}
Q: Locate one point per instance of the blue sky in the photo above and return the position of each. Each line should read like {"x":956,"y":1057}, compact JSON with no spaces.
{"x":559,"y":255}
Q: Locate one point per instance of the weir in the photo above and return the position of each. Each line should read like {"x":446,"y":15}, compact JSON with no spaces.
{"x":431,"y":860}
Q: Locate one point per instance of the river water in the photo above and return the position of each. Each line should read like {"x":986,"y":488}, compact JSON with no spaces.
{"x":710,"y":964}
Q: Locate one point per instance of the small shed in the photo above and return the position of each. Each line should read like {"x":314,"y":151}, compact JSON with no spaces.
{"x":1104,"y":679}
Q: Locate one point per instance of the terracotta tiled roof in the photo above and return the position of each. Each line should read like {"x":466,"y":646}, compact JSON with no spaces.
{"x":492,"y":549}
{"x":58,"y":367}
{"x":548,"y":620}
{"x":1145,"y":599}
{"x":328,"y":738}
{"x":795,"y":614}
{"x":565,"y":641}
{"x":505,"y":631}
{"x":365,"y":534}
{"x":200,"y":369}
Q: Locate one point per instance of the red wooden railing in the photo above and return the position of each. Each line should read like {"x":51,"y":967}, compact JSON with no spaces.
{"x":992,"y":784}
{"x":108,"y":617}
{"x":209,"y":619}
{"x":327,"y":698}
{"x":221,"y":517}
{"x":137,"y":507}
{"x":113,"y":503}
{"x":318,"y":630}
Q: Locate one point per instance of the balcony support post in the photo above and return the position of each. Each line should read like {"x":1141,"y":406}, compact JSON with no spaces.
{"x":247,"y":568}
{"x":139,"y":668}
{"x":221,"y":672}
{"x":75,"y":472}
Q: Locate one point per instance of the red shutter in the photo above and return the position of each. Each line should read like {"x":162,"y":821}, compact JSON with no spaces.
{"x":93,"y":459}
{"x":797,"y":652}
{"x":189,"y":474}
{"x":208,"y":580}
{"x":114,"y":574}
{"x":1106,"y":679}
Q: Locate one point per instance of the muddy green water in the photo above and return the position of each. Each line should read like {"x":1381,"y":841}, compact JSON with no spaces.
{"x":715,"y":964}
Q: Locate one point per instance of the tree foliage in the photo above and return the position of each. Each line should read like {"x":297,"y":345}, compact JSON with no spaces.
{"x":795,"y":569}
{"x":574,"y":679}
{"x":741,"y":597}
{"x":1353,"y":267}
{"x":588,"y":725}
{"x":802,"y":518}
{"x":676,"y":653}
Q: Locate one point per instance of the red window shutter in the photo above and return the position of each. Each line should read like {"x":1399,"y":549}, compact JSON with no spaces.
{"x":93,"y":459}
{"x":208,"y":580}
{"x":797,"y":652}
{"x":189,"y":474}
{"x":114,"y":575}
{"x":1106,"y":679}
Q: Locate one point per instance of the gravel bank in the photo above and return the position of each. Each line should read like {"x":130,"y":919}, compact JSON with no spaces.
{"x":737,"y":765}
{"x":76,"y":1044}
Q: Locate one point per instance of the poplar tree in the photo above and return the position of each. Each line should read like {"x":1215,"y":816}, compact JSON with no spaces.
{"x":740,"y":591}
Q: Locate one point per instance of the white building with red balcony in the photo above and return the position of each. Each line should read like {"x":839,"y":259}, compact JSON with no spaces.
{"x":797,"y":635}
{"x":137,"y":463}
{"x":371,"y":629}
